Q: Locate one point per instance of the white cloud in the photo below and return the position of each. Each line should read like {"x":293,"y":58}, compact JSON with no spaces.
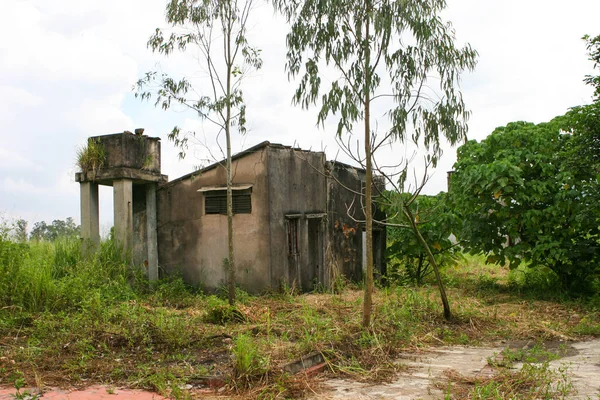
{"x":13,"y":161}
{"x":20,"y":186}
{"x":20,"y":97}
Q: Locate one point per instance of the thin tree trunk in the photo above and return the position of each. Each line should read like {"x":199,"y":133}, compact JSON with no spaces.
{"x":231,"y":259}
{"x":420,"y":271}
{"x":368,"y":301}
{"x":436,"y":270}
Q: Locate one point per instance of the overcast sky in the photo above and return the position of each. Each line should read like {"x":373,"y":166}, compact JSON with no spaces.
{"x":67,"y":68}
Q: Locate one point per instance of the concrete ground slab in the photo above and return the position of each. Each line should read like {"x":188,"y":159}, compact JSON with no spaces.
{"x":417,"y":382}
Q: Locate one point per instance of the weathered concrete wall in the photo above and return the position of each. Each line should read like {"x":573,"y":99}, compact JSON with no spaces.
{"x":298,"y":234}
{"x":196,"y":244}
{"x":297,"y":187}
{"x":344,"y":207}
{"x":127,"y":156}
{"x":131,"y":151}
{"x":140,"y":245}
{"x":90,"y":216}
{"x":344,"y":204}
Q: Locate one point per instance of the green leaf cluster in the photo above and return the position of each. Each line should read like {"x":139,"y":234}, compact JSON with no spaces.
{"x":407,"y":258}
{"x":532,"y":192}
{"x":529,"y":193}
{"x":396,"y":51}
{"x":57,"y":229}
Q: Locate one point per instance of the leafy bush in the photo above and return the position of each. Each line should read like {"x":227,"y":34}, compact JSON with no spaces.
{"x":219,"y":311}
{"x":531,"y":193}
{"x":520,"y":199}
{"x":407,"y":259}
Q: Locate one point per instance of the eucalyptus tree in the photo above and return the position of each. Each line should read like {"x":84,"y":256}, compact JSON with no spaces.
{"x":388,"y":52}
{"x":217,"y":30}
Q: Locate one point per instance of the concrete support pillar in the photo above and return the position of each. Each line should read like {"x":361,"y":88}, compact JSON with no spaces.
{"x":151,"y":231}
{"x":90,"y":220}
{"x":123,"y":208}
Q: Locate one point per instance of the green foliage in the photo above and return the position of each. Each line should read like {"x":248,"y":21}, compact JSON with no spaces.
{"x":532,"y":381}
{"x":220,"y":312}
{"x":58,"y":229}
{"x":19,"y":383}
{"x":42,"y":276}
{"x":526,"y":193}
{"x":536,"y":354}
{"x":407,"y":259}
{"x":362,"y":41}
{"x":91,"y":158}
{"x":385,"y":51}
{"x":172,"y":291}
{"x":20,"y":230}
{"x":247,"y":359}
{"x":593,"y":47}
{"x":588,"y":326}
{"x":539,"y":282}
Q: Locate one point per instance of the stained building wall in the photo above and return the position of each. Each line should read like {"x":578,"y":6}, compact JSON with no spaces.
{"x":344,"y":208}
{"x":299,"y":234}
{"x":195,"y":243}
{"x":298,"y":207}
{"x":140,"y":226}
{"x":346,"y":226}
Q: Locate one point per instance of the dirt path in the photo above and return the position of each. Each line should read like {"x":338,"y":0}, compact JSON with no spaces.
{"x":423,"y":369}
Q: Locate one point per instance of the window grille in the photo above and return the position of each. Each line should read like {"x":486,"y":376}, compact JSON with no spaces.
{"x":215,"y":201}
{"x":292,"y":225}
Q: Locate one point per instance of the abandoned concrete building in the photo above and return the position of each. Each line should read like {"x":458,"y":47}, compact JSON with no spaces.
{"x":295,"y":215}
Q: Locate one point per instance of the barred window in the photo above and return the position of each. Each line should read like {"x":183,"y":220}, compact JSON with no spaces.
{"x":215,"y":201}
{"x":292,"y":236}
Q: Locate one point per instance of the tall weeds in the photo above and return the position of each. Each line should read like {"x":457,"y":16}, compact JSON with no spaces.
{"x":43,"y":276}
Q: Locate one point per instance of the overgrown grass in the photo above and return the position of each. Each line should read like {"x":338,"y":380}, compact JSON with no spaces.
{"x":52,"y":277}
{"x":67,"y":320}
{"x":532,"y":381}
{"x":91,"y":157}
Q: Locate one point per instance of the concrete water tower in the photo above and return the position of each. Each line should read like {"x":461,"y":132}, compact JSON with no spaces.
{"x":130,"y":163}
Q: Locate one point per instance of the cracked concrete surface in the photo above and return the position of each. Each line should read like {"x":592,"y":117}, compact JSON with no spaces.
{"x":583,"y":367}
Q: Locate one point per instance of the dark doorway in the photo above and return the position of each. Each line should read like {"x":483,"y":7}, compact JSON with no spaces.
{"x":378,"y":254}
{"x":293,"y":250}
{"x":311,"y":275}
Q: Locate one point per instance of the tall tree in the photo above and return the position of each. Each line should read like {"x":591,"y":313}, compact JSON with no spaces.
{"x":50,"y":232}
{"x":20,"y":229}
{"x":386,"y":51}
{"x":593,"y":47}
{"x":218,"y":30}
{"x":531,"y":192}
